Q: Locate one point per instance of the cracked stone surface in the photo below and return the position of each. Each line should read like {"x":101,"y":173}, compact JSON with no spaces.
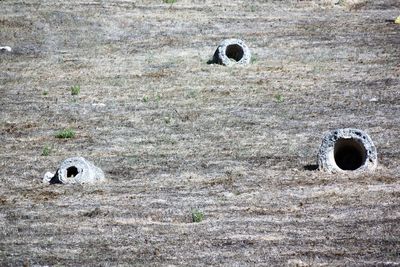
{"x":75,"y":170}
{"x":347,"y":150}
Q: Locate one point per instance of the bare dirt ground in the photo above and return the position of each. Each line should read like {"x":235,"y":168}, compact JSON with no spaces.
{"x":173,"y":133}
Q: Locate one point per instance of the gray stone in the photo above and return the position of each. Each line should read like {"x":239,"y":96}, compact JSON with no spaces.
{"x":5,"y":49}
{"x":347,"y":150}
{"x":232,"y":51}
{"x":75,"y":170}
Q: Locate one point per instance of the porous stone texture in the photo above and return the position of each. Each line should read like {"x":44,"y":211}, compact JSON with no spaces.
{"x":347,"y":150}
{"x":232,"y":51}
{"x":75,"y":170}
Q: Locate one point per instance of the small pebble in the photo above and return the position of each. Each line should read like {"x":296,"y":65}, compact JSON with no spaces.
{"x":5,"y":49}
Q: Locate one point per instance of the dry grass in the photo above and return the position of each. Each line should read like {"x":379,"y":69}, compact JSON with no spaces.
{"x":174,"y":134}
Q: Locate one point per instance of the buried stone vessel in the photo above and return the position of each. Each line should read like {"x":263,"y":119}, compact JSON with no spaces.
{"x":232,"y":51}
{"x":347,"y":150}
{"x":75,"y":170}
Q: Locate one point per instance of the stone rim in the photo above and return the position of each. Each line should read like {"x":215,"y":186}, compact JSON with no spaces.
{"x":80,"y":164}
{"x":328,"y":153}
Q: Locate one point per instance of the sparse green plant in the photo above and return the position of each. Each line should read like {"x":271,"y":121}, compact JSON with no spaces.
{"x":46,"y":150}
{"x":170,"y":1}
{"x":341,"y":2}
{"x":45,"y":92}
{"x":158,"y":97}
{"x":145,"y":99}
{"x":167,"y":120}
{"x":279,"y":98}
{"x":65,"y":134}
{"x":75,"y":90}
{"x":197,"y":216}
{"x":191,"y":94}
{"x":253,"y":58}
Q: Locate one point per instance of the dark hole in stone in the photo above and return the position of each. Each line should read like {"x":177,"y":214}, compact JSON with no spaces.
{"x":72,"y":171}
{"x":234,"y":51}
{"x":349,"y":154}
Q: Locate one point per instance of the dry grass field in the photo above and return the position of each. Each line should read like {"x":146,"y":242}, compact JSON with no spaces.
{"x":175,"y":135}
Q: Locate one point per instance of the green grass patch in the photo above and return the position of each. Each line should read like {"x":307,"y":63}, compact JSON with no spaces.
{"x":197,"y":216}
{"x":75,"y":90}
{"x":46,"y":150}
{"x":279,"y":98}
{"x":65,"y":134}
{"x":253,"y":58}
{"x":145,"y":99}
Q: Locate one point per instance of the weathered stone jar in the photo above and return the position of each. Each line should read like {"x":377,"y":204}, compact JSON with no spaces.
{"x":348,"y":149}
{"x":231,"y":52}
{"x":75,"y":170}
